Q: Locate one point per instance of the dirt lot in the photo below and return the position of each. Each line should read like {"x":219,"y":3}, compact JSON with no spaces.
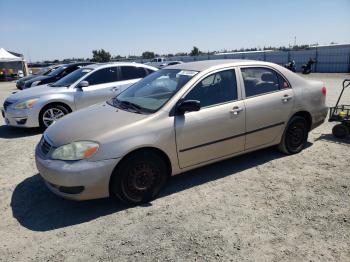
{"x":263,"y":206}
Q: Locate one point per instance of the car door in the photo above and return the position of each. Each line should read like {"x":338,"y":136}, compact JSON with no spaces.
{"x":129,"y":75}
{"x":217,"y":130}
{"x":103,"y":85}
{"x":268,"y":103}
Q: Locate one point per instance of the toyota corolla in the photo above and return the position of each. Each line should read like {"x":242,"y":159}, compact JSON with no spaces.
{"x":177,"y":119}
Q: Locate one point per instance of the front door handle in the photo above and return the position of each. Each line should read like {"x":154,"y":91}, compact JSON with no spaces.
{"x":286,"y":98}
{"x":115,"y":89}
{"x":236,"y":110}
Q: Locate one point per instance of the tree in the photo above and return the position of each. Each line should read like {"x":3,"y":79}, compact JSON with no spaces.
{"x":148,"y":55}
{"x":100,"y":56}
{"x":195,"y":51}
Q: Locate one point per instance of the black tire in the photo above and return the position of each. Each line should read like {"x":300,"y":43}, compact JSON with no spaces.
{"x":340,"y":131}
{"x":295,"y":136}
{"x":139,"y":177}
{"x":54,"y":108}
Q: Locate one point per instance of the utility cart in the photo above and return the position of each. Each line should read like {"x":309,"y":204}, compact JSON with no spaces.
{"x":341,"y":114}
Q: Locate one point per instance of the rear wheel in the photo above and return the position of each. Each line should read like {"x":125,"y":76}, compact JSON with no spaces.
{"x":340,"y":131}
{"x":51,"y":114}
{"x":139,"y":177}
{"x":295,"y":136}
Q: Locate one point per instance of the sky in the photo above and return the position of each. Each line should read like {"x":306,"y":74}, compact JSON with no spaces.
{"x":47,"y":30}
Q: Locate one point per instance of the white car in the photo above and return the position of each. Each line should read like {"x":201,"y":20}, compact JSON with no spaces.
{"x":161,"y":62}
{"x":43,"y":105}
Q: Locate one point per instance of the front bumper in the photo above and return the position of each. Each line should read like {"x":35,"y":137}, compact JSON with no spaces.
{"x":92,"y":177}
{"x":21,"y":118}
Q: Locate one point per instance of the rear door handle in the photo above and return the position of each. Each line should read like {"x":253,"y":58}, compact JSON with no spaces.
{"x":286,"y":98}
{"x":236,"y":110}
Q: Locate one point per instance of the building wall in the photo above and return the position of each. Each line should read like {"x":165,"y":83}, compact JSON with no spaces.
{"x":329,"y":59}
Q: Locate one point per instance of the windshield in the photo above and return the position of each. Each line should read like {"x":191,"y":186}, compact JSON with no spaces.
{"x":72,"y":77}
{"x":152,"y":92}
{"x":57,"y":71}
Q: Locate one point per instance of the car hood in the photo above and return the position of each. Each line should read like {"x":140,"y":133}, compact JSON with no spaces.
{"x":26,"y":78}
{"x":34,"y":92}
{"x":92,"y":123}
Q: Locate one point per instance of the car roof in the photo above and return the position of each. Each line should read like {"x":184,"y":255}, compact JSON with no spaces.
{"x":102,"y":65}
{"x":79,"y":63}
{"x":207,"y":64}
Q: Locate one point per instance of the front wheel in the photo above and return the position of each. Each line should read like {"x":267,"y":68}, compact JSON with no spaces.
{"x":139,"y":177}
{"x":295,"y":136}
{"x":51,"y":114}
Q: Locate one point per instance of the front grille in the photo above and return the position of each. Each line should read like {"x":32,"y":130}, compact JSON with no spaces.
{"x":45,"y":146}
{"x":7,"y":104}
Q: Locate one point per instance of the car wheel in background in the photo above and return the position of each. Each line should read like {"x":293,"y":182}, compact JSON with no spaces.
{"x":340,"y":131}
{"x":295,"y":136}
{"x":51,"y":114}
{"x":139,"y":177}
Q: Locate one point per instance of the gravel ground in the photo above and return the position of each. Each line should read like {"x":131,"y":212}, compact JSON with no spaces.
{"x":262,"y":206}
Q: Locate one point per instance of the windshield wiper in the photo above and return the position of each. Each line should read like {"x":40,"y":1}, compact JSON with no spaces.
{"x":135,"y":107}
{"x":127,"y":104}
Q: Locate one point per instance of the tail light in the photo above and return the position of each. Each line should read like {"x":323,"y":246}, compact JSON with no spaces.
{"x":324,"y":91}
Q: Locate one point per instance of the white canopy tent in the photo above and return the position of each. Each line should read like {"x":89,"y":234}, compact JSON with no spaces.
{"x":8,"y":57}
{"x":11,"y":65}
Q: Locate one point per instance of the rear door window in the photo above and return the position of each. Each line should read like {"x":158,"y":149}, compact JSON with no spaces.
{"x":260,"y":80}
{"x":132,"y":72}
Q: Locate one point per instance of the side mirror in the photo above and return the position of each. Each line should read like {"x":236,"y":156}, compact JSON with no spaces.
{"x":188,"y":106}
{"x":83,"y":84}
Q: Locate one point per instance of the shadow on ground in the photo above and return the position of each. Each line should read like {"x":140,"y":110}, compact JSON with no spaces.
{"x":9,"y":132}
{"x":331,"y":139}
{"x":36,"y":208}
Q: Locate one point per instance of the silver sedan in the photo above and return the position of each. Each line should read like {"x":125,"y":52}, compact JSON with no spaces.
{"x":44,"y":105}
{"x":177,"y":119}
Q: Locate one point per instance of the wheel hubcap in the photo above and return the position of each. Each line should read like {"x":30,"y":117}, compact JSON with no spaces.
{"x":51,"y":115}
{"x":296,"y":136}
{"x":140,"y":180}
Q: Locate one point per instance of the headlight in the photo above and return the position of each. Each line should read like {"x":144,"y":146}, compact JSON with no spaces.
{"x":35,"y":83}
{"x":76,"y":151}
{"x":26,"y":104}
